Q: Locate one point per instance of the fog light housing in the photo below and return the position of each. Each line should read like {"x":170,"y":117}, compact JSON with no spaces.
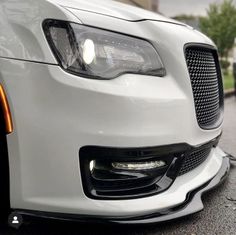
{"x":110,"y":173}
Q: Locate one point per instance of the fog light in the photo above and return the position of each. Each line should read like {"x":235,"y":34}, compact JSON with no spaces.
{"x":91,"y":166}
{"x":138,"y":165}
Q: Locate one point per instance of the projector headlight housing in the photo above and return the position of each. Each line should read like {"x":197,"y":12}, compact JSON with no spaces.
{"x":100,"y":54}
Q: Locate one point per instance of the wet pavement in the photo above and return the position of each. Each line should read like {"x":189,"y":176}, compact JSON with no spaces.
{"x":218,"y":217}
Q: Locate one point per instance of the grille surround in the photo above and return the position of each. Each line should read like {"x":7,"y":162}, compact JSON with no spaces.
{"x":207,"y":86}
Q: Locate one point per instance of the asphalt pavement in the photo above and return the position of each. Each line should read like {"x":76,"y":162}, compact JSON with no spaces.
{"x":218,"y":217}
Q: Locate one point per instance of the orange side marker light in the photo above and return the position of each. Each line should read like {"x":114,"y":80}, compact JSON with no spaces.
{"x":6,"y":111}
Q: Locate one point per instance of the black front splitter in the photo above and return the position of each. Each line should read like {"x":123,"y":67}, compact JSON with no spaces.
{"x":192,"y":204}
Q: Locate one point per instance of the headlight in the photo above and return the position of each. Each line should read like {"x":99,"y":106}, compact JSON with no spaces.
{"x":95,"y":53}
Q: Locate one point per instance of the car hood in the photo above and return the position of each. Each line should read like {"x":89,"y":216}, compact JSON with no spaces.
{"x":114,"y":9}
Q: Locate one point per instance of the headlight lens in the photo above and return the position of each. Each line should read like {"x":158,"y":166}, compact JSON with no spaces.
{"x":101,"y":54}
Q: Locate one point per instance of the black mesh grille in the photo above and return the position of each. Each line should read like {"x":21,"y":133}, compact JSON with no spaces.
{"x":194,"y":160}
{"x":205,"y":76}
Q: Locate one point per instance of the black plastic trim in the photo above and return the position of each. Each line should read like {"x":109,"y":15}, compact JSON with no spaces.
{"x":192,"y":204}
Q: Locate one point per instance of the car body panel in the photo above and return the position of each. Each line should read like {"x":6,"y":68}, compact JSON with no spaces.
{"x":113,"y":9}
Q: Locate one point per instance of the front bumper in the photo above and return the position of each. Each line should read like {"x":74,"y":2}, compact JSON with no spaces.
{"x":65,"y":113}
{"x":192,"y":204}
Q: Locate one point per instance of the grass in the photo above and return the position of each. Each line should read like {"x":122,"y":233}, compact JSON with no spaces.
{"x":228,"y":81}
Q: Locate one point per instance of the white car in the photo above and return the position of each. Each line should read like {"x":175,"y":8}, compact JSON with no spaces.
{"x":110,"y":113}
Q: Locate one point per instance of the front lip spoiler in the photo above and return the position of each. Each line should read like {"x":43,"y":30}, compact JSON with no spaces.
{"x":191,"y":205}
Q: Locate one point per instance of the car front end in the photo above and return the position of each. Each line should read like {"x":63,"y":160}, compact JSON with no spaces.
{"x":115,"y":117}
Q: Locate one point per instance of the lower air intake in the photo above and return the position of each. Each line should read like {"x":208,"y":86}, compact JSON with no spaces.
{"x":194,"y":159}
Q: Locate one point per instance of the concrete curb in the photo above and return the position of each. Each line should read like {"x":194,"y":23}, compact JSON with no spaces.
{"x":229,"y":93}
